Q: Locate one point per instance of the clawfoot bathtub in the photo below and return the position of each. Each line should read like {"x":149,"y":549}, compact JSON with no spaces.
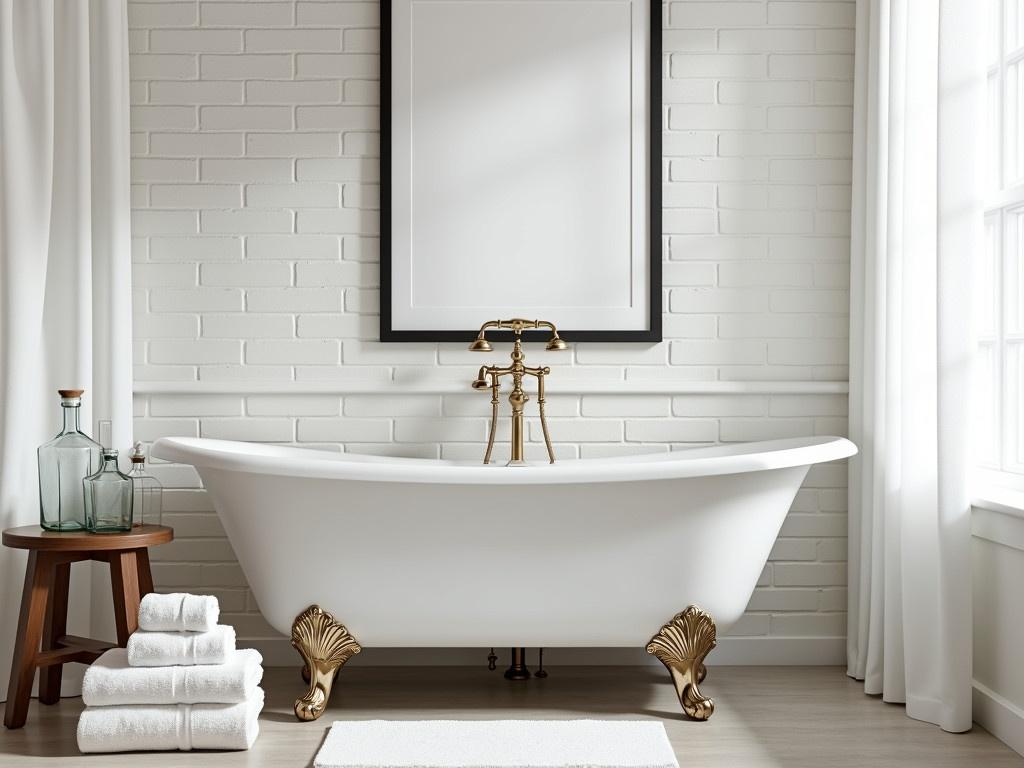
{"x":417,"y":552}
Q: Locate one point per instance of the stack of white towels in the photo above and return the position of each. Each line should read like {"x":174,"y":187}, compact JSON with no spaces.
{"x":180,"y":684}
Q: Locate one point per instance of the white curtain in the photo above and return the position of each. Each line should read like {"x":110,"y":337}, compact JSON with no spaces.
{"x":65,"y":263}
{"x":917,"y":224}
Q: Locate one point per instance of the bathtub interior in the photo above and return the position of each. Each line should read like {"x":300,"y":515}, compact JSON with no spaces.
{"x":208,"y":446}
{"x":291,"y":461}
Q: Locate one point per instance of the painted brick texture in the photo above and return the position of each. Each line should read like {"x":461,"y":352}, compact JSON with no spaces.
{"x":255,"y":221}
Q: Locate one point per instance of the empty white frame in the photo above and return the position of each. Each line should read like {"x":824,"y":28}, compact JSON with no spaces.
{"x":517,"y":170}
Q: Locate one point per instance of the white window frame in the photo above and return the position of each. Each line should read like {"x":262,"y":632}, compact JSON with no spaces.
{"x":1001,"y":333}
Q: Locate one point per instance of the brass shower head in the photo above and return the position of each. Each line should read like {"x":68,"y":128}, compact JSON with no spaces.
{"x":480,"y":344}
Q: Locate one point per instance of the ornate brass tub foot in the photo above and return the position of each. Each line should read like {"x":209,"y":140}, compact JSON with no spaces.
{"x":681,"y":646}
{"x":325,"y":646}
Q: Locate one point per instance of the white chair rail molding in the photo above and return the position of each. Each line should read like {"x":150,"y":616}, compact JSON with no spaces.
{"x":571,"y":382}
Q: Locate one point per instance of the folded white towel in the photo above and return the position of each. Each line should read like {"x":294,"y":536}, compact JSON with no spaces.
{"x":163,"y":649}
{"x":175,"y":726}
{"x":111,"y":681}
{"x":178,"y":612}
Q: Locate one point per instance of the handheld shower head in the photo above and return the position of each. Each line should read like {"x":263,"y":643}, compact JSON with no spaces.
{"x":481,"y":382}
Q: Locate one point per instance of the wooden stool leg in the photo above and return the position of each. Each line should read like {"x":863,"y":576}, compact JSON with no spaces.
{"x":56,"y":626}
{"x":145,"y":573}
{"x":124,"y":579}
{"x":34,"y":598}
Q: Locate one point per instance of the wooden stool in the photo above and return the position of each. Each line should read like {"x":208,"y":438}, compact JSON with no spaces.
{"x":42,"y":640}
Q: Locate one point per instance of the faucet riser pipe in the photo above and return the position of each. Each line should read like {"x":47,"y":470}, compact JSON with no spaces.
{"x":517,"y":438}
{"x":517,"y":670}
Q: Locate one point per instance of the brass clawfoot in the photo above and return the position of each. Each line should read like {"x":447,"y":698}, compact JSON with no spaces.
{"x":325,"y":646}
{"x":681,"y":646}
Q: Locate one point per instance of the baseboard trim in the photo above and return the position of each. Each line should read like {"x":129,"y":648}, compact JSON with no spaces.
{"x":731,"y":651}
{"x":781,"y":651}
{"x":999,"y":716}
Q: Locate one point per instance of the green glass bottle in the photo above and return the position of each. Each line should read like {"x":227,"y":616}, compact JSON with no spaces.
{"x":63,"y":463}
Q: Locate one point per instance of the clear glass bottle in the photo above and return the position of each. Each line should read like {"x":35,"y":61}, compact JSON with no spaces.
{"x":108,"y":497}
{"x":147,"y":493}
{"x":63,"y":463}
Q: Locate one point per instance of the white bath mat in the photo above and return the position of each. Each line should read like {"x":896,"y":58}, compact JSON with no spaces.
{"x":496,"y":744}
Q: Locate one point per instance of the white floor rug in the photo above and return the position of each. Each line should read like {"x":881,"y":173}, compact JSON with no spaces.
{"x":496,"y":744}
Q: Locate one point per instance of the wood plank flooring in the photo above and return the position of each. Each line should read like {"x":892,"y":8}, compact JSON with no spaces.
{"x":765,"y":717}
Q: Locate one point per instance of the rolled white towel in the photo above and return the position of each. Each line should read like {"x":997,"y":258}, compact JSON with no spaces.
{"x":162,"y":649}
{"x":174,"y":726}
{"x":111,"y":681}
{"x":178,"y":612}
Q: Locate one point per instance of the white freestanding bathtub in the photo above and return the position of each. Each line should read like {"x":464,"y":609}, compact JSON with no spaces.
{"x":418,"y":552}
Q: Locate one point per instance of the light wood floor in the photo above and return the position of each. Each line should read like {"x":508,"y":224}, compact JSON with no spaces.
{"x":813,"y":717}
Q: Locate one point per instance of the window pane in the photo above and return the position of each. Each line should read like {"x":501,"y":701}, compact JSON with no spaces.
{"x":1014,"y":292}
{"x":985,"y":281}
{"x":1014,"y":24}
{"x":986,"y":411}
{"x":992,"y":32}
{"x":1014,"y":423}
{"x":1014,"y":127}
{"x":992,"y":161}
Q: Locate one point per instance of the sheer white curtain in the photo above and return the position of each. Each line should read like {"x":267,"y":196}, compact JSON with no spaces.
{"x":919,"y":116}
{"x":65,"y":264}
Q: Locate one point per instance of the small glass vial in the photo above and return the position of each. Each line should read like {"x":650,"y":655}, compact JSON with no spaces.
{"x":63,"y":463}
{"x":147,"y":493}
{"x":108,"y":497}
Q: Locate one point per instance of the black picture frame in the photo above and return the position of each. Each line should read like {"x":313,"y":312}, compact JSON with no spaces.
{"x":653,"y":333}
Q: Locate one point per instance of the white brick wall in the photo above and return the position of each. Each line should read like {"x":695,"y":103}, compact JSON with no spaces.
{"x":256,"y":190}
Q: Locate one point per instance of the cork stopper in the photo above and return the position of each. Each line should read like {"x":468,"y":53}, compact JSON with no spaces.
{"x":70,"y":397}
{"x":138,"y":454}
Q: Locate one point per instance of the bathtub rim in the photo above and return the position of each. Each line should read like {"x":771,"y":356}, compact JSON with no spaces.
{"x":293,"y":461}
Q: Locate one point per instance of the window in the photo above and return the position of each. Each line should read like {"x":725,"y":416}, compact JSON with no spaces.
{"x":999,"y":300}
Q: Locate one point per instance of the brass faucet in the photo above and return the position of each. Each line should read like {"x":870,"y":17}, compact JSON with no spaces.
{"x":489,"y":377}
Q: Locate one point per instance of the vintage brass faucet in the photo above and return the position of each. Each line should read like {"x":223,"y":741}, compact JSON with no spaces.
{"x":518,"y":397}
